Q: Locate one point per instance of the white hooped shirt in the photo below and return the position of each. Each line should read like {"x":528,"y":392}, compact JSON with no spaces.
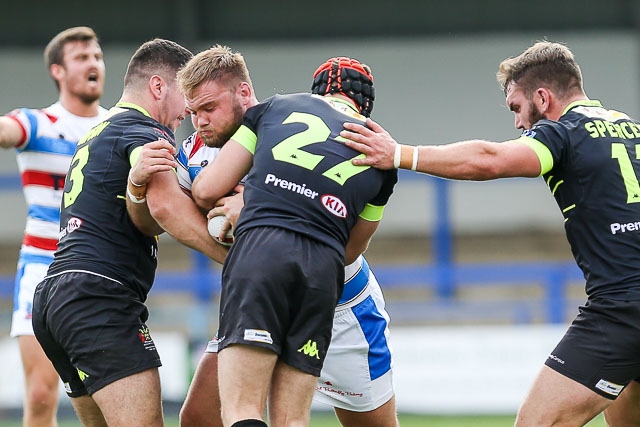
{"x":49,"y":139}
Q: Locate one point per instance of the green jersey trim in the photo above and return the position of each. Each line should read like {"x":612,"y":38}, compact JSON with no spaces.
{"x":372,"y":213}
{"x":543,"y":153}
{"x":245,"y":137}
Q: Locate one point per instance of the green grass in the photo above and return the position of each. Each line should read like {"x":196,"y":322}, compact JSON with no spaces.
{"x":327,"y":419}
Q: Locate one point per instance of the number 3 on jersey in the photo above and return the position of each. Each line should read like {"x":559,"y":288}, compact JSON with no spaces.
{"x":289,"y":150}
{"x":79,"y":161}
{"x":76,"y":177}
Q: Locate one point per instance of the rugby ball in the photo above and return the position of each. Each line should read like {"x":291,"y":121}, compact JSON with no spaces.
{"x":215,"y":227}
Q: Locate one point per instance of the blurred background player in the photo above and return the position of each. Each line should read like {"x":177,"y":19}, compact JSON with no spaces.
{"x":44,"y":141}
{"x":287,"y":339}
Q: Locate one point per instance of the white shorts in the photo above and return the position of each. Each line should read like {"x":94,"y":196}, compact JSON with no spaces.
{"x":357,"y":371}
{"x":31,"y":271}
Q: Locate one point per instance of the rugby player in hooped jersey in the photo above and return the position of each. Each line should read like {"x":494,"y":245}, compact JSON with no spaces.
{"x":359,"y":342}
{"x":45,"y":140}
{"x":286,"y":340}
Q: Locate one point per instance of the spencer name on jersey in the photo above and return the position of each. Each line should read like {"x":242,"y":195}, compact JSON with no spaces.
{"x":302,"y":177}
{"x":97,"y":234}
{"x":592,"y":168}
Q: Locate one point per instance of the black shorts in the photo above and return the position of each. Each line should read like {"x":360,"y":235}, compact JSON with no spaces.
{"x":279,"y":291}
{"x":601,"y":348}
{"x":92,"y":328}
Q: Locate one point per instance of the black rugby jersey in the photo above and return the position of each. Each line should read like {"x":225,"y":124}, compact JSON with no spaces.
{"x":591,"y":160}
{"x":302,"y":177}
{"x":97,"y":234}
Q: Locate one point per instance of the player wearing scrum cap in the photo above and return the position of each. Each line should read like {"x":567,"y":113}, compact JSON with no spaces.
{"x":292,"y":137}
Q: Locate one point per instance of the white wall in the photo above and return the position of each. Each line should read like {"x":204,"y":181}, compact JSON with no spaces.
{"x":174,"y":374}
{"x":428,"y":90}
{"x":437,"y":370}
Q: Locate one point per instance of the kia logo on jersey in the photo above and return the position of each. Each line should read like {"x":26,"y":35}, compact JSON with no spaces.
{"x":334,"y":205}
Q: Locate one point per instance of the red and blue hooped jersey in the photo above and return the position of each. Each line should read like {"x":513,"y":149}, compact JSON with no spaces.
{"x":49,"y":140}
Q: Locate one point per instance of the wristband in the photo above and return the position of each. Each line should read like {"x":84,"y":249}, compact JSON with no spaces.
{"x":133,"y":182}
{"x":396,"y":156}
{"x":133,"y":198}
{"x":414,"y":163}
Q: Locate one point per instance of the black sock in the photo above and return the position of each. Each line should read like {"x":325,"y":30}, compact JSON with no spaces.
{"x":249,"y":423}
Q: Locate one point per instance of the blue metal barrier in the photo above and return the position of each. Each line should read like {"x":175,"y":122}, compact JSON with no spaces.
{"x":203,"y":280}
{"x":443,"y":277}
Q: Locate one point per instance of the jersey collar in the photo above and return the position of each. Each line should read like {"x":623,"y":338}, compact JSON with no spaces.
{"x":124,"y":104}
{"x":582,"y":102}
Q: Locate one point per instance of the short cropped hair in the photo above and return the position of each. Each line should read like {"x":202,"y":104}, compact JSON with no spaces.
{"x":218,"y":63}
{"x":544,"y":64}
{"x":156,"y":57}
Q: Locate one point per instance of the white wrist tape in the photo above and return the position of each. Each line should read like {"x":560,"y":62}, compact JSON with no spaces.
{"x":133,"y":182}
{"x":133,"y":198}
{"x":414,"y":163}
{"x":396,"y":156}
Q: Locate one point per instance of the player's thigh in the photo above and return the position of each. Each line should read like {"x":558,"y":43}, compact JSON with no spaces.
{"x":88,"y":411}
{"x":37,"y":366}
{"x":383,"y":416}
{"x":290,"y":395}
{"x":557,"y":400}
{"x":134,"y":400}
{"x":202,"y":407}
{"x":28,"y":276}
{"x":625,"y":410}
{"x":244,"y":377}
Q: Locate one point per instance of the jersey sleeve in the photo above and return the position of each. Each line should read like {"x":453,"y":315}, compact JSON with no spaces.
{"x":374,"y":210}
{"x":246,"y":135}
{"x":28,"y":122}
{"x":183,"y":167}
{"x":549,"y":141}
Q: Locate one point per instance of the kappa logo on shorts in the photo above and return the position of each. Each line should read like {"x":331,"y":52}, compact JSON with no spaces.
{"x":310,"y":349}
{"x":609,"y":388}
{"x":258,"y":335}
{"x":83,"y":375}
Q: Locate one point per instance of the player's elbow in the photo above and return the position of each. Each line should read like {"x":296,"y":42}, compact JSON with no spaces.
{"x":199,"y":197}
{"x":160,"y":209}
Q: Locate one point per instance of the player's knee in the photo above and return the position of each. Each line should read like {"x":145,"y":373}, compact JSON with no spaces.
{"x":188,"y":418}
{"x":43,"y":392}
{"x":41,"y":400}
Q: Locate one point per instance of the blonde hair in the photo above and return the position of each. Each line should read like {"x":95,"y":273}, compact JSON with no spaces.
{"x":216,"y":63}
{"x":545,"y":64}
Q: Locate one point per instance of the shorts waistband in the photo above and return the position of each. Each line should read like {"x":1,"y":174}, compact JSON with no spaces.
{"x":354,"y":286}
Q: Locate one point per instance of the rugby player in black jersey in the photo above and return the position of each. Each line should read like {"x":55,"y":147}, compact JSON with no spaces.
{"x":307,"y":213}
{"x":589,"y":156}
{"x":89,"y":313}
